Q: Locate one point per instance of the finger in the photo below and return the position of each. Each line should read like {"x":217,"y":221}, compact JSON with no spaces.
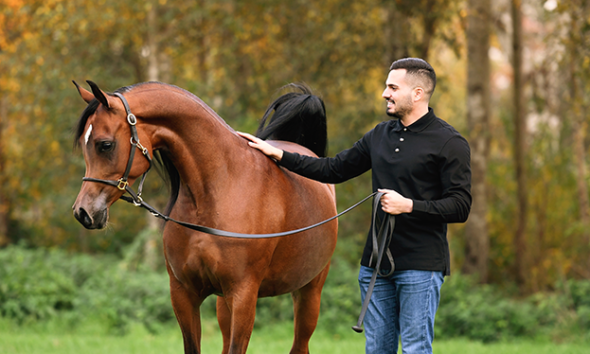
{"x":248,"y":136}
{"x":381,"y":190}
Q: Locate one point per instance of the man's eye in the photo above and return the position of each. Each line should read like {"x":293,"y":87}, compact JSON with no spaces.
{"x":105,"y":146}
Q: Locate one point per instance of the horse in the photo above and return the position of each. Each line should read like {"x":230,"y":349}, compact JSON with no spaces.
{"x":218,"y":181}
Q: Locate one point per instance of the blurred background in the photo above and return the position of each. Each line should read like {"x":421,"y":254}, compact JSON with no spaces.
{"x":513,"y":77}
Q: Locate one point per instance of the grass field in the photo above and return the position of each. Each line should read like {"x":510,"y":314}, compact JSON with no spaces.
{"x":94,"y":340}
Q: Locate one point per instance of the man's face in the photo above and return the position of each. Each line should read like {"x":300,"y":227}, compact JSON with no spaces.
{"x":398,"y":94}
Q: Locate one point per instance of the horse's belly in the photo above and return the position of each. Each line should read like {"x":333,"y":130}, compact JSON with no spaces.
{"x":293,"y":267}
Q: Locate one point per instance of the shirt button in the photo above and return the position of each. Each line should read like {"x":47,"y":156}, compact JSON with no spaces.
{"x":401,"y":139}
{"x":397,"y":150}
{"x":405,"y":129}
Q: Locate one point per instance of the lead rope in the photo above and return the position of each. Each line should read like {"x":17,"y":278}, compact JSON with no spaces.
{"x":381,"y":241}
{"x":140,"y":203}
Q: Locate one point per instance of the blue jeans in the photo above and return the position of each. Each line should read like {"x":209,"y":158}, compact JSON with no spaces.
{"x":403,"y":304}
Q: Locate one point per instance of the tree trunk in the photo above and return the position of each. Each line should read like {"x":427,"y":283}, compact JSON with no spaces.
{"x":158,"y":66}
{"x":395,"y":34}
{"x":153,"y":66}
{"x":477,"y":243}
{"x":579,"y":127}
{"x":4,"y":209}
{"x":520,"y":245}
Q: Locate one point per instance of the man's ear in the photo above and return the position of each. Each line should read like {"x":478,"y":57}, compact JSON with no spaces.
{"x":86,"y":95}
{"x":418,"y":93}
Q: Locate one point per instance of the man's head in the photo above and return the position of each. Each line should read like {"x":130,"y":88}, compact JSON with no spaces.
{"x":410,"y":83}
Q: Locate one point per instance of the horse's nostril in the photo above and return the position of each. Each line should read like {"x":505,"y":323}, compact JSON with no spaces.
{"x":83,"y":217}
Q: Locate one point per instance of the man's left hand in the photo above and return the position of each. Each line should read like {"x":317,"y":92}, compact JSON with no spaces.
{"x":394,"y":203}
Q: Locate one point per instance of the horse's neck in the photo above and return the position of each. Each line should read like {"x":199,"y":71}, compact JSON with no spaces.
{"x":203,"y":147}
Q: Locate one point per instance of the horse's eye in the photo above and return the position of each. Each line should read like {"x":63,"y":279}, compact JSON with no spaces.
{"x":105,"y":146}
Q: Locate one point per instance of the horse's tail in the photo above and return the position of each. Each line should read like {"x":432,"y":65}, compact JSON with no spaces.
{"x":299,"y":117}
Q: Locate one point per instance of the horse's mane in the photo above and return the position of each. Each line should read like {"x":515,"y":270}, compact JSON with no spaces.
{"x":299,"y":117}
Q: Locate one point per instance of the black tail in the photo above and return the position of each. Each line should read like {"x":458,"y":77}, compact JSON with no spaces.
{"x":299,"y":117}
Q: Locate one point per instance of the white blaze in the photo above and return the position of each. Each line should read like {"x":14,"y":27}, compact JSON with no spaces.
{"x":87,"y":135}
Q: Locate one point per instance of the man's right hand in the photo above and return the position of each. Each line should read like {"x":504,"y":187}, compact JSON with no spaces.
{"x":263,"y":146}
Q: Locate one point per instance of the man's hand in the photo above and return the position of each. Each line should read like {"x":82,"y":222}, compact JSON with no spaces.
{"x":263,"y":146}
{"x":393,"y":203}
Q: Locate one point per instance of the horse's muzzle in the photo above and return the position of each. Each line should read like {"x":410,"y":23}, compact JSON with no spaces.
{"x":97,"y":220}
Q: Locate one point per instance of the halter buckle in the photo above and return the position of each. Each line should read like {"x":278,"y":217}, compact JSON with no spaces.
{"x":131,"y":119}
{"x":137,"y":144}
{"x":122,"y":184}
{"x":138,"y":201}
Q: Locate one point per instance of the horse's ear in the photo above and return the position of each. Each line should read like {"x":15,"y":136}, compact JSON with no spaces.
{"x":86,"y":95}
{"x":98,"y":94}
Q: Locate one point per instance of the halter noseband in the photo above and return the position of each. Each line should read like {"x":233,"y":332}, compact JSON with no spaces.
{"x":123,"y":182}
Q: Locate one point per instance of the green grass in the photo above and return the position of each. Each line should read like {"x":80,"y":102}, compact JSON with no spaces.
{"x":92,"y":338}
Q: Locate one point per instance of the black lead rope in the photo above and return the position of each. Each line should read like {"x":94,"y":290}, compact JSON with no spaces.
{"x":123,"y":185}
{"x":381,"y":240}
{"x":217,"y":232}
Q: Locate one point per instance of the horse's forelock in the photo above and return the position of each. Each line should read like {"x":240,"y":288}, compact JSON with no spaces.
{"x":88,"y":111}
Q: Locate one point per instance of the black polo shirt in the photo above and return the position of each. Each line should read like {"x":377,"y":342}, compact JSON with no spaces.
{"x":428,"y":162}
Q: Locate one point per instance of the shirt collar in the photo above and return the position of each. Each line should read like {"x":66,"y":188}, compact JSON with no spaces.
{"x":418,"y":125}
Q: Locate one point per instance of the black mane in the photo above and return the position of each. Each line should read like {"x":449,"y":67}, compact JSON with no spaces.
{"x":298,"y":117}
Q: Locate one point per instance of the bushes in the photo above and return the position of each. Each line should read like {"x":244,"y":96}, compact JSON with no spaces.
{"x":39,"y":285}
{"x":483,"y":313}
{"x":32,"y":285}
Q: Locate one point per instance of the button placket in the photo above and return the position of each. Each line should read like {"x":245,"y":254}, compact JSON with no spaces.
{"x":401,"y":139}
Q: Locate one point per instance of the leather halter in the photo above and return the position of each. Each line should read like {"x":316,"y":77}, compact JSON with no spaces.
{"x":123,"y":182}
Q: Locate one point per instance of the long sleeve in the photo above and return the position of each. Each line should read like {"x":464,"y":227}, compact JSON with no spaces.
{"x":455,"y":175}
{"x":344,"y":166}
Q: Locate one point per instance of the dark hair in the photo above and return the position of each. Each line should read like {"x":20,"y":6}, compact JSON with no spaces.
{"x":299,"y":117}
{"x":419,"y":69}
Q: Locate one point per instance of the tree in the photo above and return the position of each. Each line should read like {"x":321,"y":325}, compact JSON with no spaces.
{"x":519,"y":146}
{"x":477,"y":242}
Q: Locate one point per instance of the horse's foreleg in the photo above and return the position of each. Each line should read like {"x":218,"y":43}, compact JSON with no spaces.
{"x":224,"y":320}
{"x":187,"y":312}
{"x":306,"y":308}
{"x":242,"y":309}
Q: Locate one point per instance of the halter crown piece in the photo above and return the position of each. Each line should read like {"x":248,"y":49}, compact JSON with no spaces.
{"x":123,"y":182}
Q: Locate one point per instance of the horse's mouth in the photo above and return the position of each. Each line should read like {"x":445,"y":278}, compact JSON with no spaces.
{"x":95,"y":221}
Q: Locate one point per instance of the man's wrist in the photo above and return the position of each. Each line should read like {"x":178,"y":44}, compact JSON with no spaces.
{"x":278,"y":154}
{"x":410,"y":206}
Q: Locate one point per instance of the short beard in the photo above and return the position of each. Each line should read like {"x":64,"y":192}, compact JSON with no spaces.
{"x":400,"y":112}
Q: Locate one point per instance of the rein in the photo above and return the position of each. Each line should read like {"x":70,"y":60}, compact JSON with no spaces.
{"x":123,"y":185}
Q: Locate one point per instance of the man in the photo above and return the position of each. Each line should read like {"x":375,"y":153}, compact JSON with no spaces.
{"x":422,"y":164}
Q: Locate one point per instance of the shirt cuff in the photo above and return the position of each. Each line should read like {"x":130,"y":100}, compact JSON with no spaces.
{"x":289,"y":159}
{"x":419,"y":205}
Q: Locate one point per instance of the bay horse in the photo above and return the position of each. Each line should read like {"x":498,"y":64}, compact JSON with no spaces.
{"x":217,"y":181}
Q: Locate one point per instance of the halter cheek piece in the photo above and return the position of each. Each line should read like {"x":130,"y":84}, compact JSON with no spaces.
{"x":123,"y":182}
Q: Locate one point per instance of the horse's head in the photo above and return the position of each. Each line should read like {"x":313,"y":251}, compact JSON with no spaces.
{"x":108,"y":138}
